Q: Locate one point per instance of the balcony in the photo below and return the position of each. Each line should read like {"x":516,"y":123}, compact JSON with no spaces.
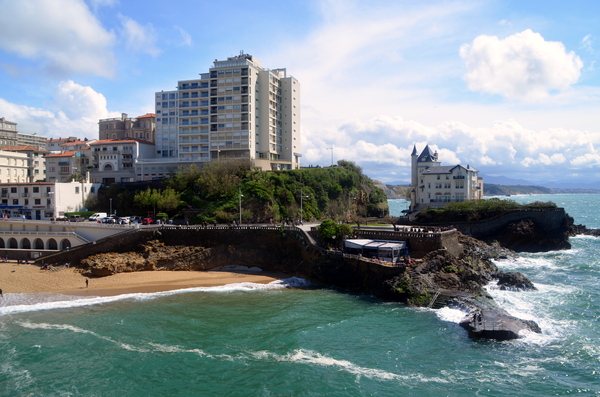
{"x":458,"y":177}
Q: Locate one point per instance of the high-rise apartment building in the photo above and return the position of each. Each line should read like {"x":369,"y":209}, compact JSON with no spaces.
{"x":238,"y":110}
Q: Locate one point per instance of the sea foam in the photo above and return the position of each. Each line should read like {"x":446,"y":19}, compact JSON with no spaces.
{"x":21,"y":303}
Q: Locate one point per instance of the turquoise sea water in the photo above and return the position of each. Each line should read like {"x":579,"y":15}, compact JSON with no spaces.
{"x":274,"y":340}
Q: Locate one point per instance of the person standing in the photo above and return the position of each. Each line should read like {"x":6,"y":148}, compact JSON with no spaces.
{"x":86,"y":282}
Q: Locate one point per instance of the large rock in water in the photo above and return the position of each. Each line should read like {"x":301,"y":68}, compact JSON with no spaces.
{"x":527,"y":236}
{"x":496,"y":324}
{"x":515,"y":281}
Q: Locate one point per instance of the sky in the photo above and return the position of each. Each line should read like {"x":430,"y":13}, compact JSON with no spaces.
{"x":511,"y":88}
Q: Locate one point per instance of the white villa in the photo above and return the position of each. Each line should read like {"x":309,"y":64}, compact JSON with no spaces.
{"x":435,"y":185}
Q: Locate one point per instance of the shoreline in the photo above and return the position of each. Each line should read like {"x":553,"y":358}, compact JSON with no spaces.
{"x":27,"y":278}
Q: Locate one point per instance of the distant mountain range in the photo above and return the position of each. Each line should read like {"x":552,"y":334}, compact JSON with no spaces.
{"x":490,"y":189}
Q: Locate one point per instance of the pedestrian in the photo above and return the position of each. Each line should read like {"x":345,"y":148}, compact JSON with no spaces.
{"x":1,"y":293}
{"x":86,"y":282}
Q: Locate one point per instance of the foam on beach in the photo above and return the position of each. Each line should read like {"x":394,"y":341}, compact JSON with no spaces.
{"x":29,"y":302}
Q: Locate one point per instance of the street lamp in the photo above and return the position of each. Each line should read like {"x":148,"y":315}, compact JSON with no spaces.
{"x":110,"y":200}
{"x":331,"y":148}
{"x":241,"y":195}
{"x":349,"y":206}
{"x":302,"y":196}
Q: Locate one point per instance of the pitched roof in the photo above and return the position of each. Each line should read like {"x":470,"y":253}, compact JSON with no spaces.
{"x":75,"y":143}
{"x":426,"y":155}
{"x":24,"y":148}
{"x":447,"y":169}
{"x":147,"y":115}
{"x":69,"y":153}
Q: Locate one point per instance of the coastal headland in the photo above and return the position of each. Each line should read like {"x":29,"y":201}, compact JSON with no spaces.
{"x":449,"y":268}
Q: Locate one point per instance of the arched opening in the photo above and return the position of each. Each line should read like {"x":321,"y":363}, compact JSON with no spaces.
{"x":108,"y":167}
{"x":65,"y":244}
{"x":26,"y":244}
{"x":12,"y":243}
{"x":38,"y":244}
{"x":52,"y":244}
{"x":2,"y":243}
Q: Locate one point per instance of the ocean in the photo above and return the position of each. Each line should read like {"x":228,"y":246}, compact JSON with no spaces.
{"x":291,"y":338}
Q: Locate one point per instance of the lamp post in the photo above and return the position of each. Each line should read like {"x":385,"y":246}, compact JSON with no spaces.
{"x":349,"y":206}
{"x":240,"y":197}
{"x":302,"y":196}
{"x":110,"y":200}
{"x":331,"y":148}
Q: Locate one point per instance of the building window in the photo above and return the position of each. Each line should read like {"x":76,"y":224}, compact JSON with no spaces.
{"x":38,"y":201}
{"x":15,"y":201}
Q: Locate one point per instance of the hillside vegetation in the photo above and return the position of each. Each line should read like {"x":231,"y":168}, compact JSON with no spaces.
{"x":216,"y":191}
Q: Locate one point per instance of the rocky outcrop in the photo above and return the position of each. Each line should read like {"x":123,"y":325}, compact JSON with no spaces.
{"x":496,"y":324}
{"x":153,"y":255}
{"x":528,"y":236}
{"x":574,"y":230}
{"x":515,"y":281}
{"x":442,"y":279}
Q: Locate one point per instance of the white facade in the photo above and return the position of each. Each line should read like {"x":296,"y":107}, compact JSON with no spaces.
{"x":14,"y":167}
{"x":44,"y":200}
{"x":238,"y":110}
{"x":36,"y":163}
{"x":435,"y":185}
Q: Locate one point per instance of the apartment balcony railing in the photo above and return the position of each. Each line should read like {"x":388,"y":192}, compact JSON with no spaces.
{"x":458,"y":177}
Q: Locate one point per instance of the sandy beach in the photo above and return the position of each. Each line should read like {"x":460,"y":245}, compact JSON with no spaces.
{"x":15,"y":278}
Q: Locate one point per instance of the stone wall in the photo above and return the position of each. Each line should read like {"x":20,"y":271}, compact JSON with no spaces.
{"x":420,"y":243}
{"x":548,"y":219}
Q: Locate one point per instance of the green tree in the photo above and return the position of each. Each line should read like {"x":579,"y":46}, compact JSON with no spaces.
{"x":168,"y":200}
{"x":327,"y":230}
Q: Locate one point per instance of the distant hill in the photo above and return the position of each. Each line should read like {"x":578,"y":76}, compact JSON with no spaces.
{"x":503,"y":190}
{"x":394,"y":191}
{"x":489,"y":189}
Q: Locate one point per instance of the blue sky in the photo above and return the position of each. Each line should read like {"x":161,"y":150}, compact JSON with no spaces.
{"x":509,"y":87}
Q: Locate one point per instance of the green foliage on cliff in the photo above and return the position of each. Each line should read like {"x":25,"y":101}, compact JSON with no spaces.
{"x":475,"y":210}
{"x":214,"y":192}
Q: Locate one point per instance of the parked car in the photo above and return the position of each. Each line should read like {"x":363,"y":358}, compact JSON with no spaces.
{"x":147,"y":221}
{"x":97,"y":216}
{"x":76,"y":218}
{"x":107,"y":219}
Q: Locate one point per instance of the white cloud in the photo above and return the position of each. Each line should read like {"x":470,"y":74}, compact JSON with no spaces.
{"x":62,"y":34}
{"x":521,"y":66}
{"x":139,"y":38}
{"x":383,"y":145}
{"x":587,"y":43}
{"x":186,"y":38}
{"x":74,"y":111}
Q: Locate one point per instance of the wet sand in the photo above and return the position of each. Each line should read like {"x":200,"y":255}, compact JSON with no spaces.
{"x":22,"y":278}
